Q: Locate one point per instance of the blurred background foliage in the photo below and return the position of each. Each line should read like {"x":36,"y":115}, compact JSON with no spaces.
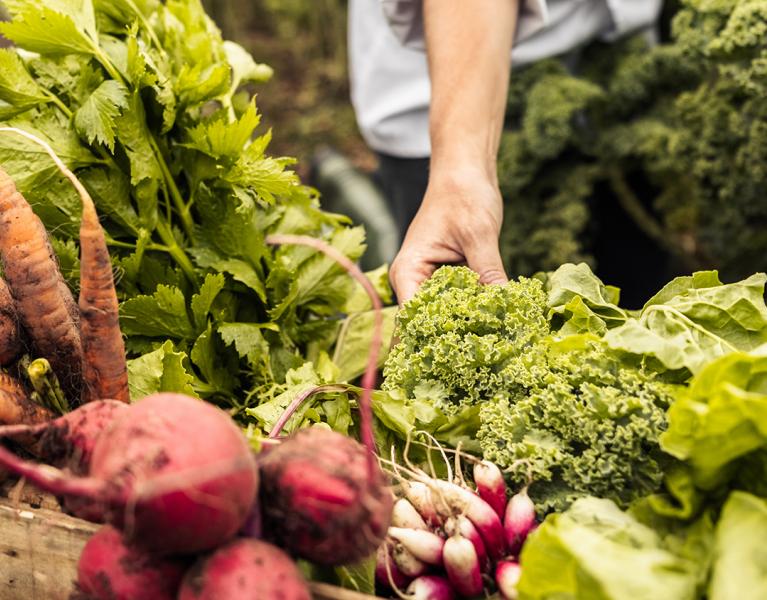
{"x":307,"y":101}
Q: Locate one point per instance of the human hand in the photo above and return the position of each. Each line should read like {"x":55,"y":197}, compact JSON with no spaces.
{"x":458,"y":223}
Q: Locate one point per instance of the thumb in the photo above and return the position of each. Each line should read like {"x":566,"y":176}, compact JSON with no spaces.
{"x":484,"y":258}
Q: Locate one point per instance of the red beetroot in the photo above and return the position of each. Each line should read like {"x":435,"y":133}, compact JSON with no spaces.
{"x":320,"y":500}
{"x":323,"y":494}
{"x":108,"y":569}
{"x":173,"y":472}
{"x":68,"y":441}
{"x":245,"y":569}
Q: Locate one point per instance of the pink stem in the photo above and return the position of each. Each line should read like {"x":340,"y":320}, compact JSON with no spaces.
{"x":369,"y":378}
{"x":53,"y":480}
{"x":298,"y":401}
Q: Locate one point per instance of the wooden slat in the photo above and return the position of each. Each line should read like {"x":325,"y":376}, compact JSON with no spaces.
{"x":38,"y":552}
{"x":39,"y":547}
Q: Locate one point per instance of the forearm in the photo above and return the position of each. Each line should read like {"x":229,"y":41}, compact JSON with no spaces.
{"x":469,"y":48}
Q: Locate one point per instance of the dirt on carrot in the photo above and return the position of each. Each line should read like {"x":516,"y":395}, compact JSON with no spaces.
{"x":10,"y":332}
{"x":105,"y":371}
{"x":16,"y":408}
{"x":45,"y":305}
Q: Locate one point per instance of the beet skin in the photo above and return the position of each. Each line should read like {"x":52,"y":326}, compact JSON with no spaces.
{"x":321,"y":500}
{"x":245,"y":569}
{"x":108,"y":569}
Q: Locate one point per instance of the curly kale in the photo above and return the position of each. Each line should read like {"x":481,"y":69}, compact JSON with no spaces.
{"x":675,"y":134}
{"x":590,"y":426}
{"x":458,"y":336}
{"x":577,"y":417}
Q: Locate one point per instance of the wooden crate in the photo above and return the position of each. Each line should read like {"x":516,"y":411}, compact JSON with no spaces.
{"x":39,"y":547}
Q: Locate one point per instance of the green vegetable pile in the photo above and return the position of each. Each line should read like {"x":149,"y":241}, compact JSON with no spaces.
{"x":675,"y":134}
{"x":574,"y":415}
{"x":642,"y":434}
{"x":155,"y":114}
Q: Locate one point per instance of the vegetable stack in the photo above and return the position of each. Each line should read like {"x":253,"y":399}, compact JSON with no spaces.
{"x":154,"y":113}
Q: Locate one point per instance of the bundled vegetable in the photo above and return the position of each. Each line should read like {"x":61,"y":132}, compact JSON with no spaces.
{"x":154,"y":113}
{"x":446,"y":540}
{"x":323,"y":495}
{"x":175,"y":474}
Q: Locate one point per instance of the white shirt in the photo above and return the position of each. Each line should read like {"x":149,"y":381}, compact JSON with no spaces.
{"x":390,"y":87}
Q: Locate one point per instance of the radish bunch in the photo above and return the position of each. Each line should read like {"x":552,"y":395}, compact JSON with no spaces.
{"x":448,"y":540}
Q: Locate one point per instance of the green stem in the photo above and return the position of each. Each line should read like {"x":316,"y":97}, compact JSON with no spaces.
{"x":177,"y":252}
{"x":107,"y":64}
{"x":183,"y":211}
{"x":62,"y":107}
{"x":149,"y":29}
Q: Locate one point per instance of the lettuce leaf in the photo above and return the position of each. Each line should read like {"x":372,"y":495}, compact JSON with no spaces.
{"x":694,"y":320}
{"x":596,"y":551}
{"x":739,"y":551}
{"x":720,"y":418}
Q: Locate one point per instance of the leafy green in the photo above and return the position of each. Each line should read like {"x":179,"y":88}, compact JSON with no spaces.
{"x":160,"y":371}
{"x":596,"y":551}
{"x":721,"y":417}
{"x":739,"y":554}
{"x":138,"y":98}
{"x":574,"y":415}
{"x":572,"y":391}
{"x":671,"y":133}
{"x":696,"y":319}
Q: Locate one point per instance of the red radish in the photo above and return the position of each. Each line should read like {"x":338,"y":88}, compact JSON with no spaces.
{"x":462,"y":566}
{"x":173,"y":472}
{"x":404,"y":514}
{"x":430,"y":587}
{"x":462,"y":501}
{"x":420,"y":496}
{"x":108,"y":569}
{"x":408,"y":564}
{"x":324,"y":497}
{"x":387,"y":572}
{"x":507,"y":574}
{"x":424,"y":545}
{"x":465,"y":527}
{"x":519,"y":520}
{"x":68,"y":441}
{"x":490,"y":485}
{"x":244,"y":569}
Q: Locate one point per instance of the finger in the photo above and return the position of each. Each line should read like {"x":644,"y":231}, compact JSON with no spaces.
{"x":484,"y":258}
{"x":407,"y":275}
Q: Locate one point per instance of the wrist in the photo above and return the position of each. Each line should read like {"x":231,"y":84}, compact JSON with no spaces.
{"x":463,"y":170}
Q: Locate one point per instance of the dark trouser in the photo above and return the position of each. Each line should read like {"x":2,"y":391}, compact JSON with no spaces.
{"x":403,"y":183}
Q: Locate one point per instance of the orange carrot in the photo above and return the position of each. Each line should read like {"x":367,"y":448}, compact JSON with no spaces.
{"x":104,"y":369}
{"x":105,"y":372}
{"x":10,"y":334}
{"x":43,"y":301}
{"x":15,"y":406}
